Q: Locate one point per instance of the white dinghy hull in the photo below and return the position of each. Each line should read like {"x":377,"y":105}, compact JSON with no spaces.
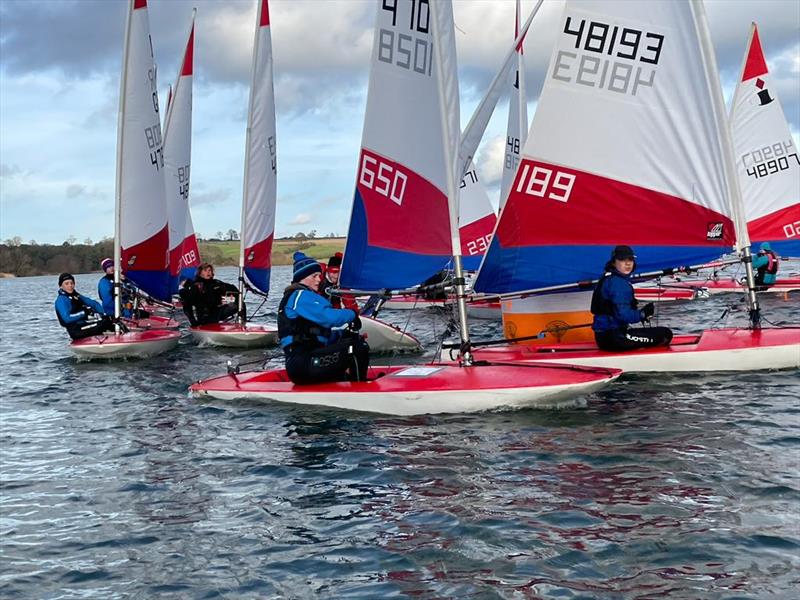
{"x":713,"y":350}
{"x":421,"y":389}
{"x":134,"y":344}
{"x":234,"y":335}
{"x":385,"y":337}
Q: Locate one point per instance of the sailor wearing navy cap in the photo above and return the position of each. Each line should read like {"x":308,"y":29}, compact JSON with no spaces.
{"x":315,"y":351}
{"x":80,"y":316}
{"x":614,"y":308}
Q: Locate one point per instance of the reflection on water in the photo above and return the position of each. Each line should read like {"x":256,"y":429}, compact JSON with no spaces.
{"x":115,"y":484}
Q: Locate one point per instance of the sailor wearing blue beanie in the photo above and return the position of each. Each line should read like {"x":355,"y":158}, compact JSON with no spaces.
{"x":309,"y":328}
{"x":303,"y":267}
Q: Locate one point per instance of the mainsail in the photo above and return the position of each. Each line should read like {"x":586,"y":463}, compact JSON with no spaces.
{"x":625,"y":148}
{"x":260,"y":168}
{"x":517,"y":119}
{"x":767,"y":162}
{"x":184,"y":255}
{"x":476,"y":219}
{"x":141,"y":230}
{"x":399,"y":231}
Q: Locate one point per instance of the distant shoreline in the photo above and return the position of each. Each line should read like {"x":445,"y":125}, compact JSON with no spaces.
{"x":27,"y":260}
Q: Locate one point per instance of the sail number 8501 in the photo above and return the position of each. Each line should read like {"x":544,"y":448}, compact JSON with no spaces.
{"x":545,"y":183}
{"x":383,"y":178}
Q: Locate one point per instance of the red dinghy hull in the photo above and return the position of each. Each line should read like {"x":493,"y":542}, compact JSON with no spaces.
{"x":421,"y":389}
{"x":234,"y":335}
{"x":152,"y":322}
{"x":134,"y":344}
{"x":712,"y":350}
{"x":723,"y":286}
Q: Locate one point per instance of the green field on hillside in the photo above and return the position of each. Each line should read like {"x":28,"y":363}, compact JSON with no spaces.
{"x":227,"y":253}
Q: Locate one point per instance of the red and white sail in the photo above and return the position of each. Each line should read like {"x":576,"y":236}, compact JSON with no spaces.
{"x":141,"y":232}
{"x":184,"y":256}
{"x":260,"y":168}
{"x":626,"y":147}
{"x":476,"y":219}
{"x":767,"y":161}
{"x":517,"y":128}
{"x":400,"y":226}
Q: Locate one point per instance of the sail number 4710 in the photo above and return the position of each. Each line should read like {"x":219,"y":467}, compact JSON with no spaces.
{"x":545,"y":183}
{"x":383,"y":178}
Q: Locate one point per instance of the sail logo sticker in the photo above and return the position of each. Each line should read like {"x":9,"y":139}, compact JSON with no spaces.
{"x":715,"y":231}
{"x":618,"y":59}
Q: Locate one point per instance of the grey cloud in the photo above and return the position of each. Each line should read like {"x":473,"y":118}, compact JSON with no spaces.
{"x":10,"y":170}
{"x":210,"y":197}
{"x":74,"y":190}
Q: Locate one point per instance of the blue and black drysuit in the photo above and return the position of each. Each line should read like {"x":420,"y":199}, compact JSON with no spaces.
{"x":614,"y":307}
{"x":315,"y":353}
{"x":81,"y":316}
{"x":105,"y":289}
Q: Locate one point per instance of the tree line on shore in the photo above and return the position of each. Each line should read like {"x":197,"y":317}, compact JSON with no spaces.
{"x":24,"y":260}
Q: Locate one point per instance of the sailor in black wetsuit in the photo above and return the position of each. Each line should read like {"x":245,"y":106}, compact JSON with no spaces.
{"x":204,"y":298}
{"x":81,"y":316}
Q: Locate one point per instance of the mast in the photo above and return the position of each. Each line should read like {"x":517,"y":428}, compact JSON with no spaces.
{"x":729,"y":161}
{"x":451,"y":141}
{"x":118,"y":195}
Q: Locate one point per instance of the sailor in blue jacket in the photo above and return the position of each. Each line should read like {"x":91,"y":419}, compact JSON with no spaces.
{"x":80,"y":316}
{"x":105,"y":289}
{"x":765,"y":264}
{"x":315,"y":352}
{"x":615,"y":308}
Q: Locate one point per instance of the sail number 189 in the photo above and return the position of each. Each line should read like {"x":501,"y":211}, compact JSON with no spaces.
{"x":545,"y":183}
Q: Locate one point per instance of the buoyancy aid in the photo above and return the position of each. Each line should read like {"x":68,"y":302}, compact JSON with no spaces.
{"x":772,"y":263}
{"x":324,"y":286}
{"x":302,"y":331}
{"x":76,"y":305}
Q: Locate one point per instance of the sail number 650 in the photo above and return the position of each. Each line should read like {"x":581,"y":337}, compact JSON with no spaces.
{"x":543,"y":182}
{"x":383,"y":178}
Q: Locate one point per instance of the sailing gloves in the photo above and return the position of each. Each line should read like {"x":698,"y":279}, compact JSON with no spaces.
{"x":355,"y":324}
{"x":648,"y":310}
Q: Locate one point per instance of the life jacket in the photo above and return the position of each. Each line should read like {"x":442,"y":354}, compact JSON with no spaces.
{"x":602,"y":305}
{"x":75,"y":305}
{"x":771,"y":268}
{"x":304,"y":332}
{"x":324,"y":286}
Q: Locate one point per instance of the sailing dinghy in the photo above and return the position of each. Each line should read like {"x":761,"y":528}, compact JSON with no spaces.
{"x":403,"y":225}
{"x":619,"y":75}
{"x":140,"y":223}
{"x":258,"y":200}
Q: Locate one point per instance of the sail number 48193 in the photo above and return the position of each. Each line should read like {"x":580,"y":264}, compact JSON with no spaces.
{"x":545,"y":183}
{"x":383,"y":178}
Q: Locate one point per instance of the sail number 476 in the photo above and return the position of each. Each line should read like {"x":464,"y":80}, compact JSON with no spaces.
{"x":383,"y":178}
{"x":545,"y":183}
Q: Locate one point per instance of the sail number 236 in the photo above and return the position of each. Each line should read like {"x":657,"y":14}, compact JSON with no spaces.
{"x":545,"y":183}
{"x":383,"y":178}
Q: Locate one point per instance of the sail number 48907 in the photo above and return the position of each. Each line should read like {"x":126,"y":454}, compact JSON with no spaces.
{"x":383,"y":178}
{"x":545,"y":183}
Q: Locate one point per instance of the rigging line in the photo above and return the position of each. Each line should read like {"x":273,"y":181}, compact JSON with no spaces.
{"x":563,"y":366}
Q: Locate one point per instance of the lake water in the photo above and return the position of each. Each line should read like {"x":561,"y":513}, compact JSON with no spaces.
{"x":115,"y":484}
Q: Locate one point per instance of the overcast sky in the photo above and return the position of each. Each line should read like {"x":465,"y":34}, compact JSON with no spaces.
{"x":59,"y":87}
